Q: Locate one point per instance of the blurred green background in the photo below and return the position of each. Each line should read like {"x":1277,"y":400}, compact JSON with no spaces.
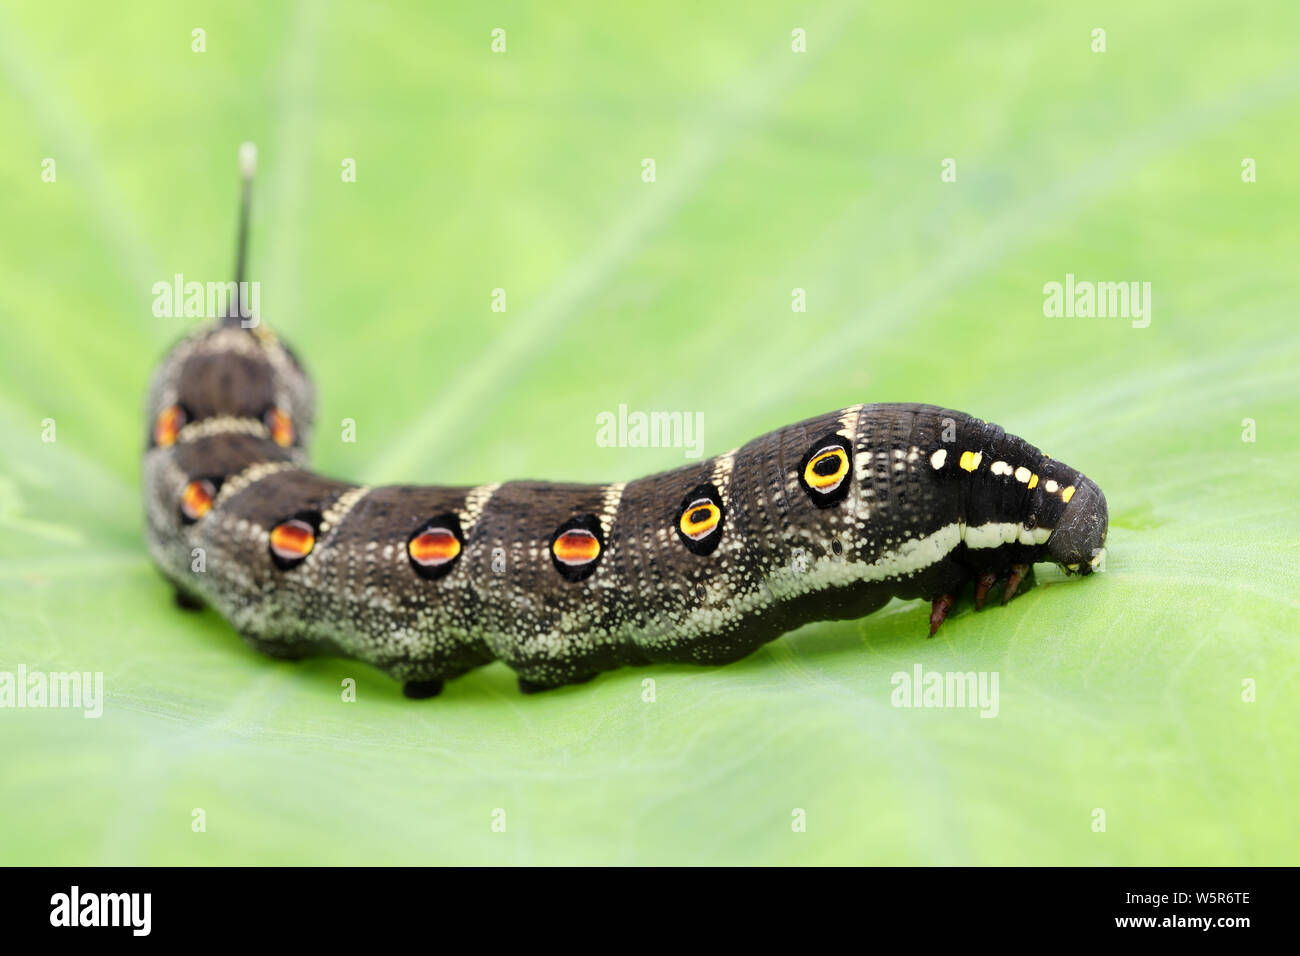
{"x":775,"y":170}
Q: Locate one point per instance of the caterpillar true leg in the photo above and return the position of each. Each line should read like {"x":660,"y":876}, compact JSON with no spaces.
{"x":939,"y":611}
{"x":824,"y":519}
{"x":1018,"y":573}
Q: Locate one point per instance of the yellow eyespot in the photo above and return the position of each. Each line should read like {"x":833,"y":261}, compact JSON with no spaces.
{"x":699,"y":519}
{"x":826,"y":469}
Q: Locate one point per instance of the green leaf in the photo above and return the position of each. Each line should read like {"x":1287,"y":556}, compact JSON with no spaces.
{"x":775,"y":170}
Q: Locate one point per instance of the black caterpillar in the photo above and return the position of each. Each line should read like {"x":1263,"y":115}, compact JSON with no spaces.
{"x":826,"y":519}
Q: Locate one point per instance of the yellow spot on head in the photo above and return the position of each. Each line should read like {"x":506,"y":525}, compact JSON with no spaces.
{"x":1067,"y":494}
{"x":1033,"y":482}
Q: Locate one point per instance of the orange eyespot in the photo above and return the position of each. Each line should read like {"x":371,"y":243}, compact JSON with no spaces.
{"x":826,"y":469}
{"x":576,"y":546}
{"x":168,"y":426}
{"x":433,"y":548}
{"x":196,"y":499}
{"x":699,"y":519}
{"x":291,"y":542}
{"x":281,"y":426}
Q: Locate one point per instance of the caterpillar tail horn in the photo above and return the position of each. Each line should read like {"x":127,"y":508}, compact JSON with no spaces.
{"x":240,"y":312}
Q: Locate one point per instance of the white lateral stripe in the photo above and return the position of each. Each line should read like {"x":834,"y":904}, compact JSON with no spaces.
{"x":994,"y":534}
{"x":913,"y":555}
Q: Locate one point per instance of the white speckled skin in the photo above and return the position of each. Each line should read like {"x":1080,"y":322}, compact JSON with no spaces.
{"x":912,"y":523}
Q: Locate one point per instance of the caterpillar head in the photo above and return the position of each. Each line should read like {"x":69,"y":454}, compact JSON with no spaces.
{"x":1079,"y":542}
